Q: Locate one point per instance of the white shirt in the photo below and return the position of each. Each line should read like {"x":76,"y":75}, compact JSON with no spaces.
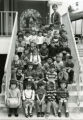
{"x":35,"y":59}
{"x":28,"y":94}
{"x":40,"y":40}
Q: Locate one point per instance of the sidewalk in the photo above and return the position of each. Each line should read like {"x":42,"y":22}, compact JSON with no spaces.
{"x":73,"y":116}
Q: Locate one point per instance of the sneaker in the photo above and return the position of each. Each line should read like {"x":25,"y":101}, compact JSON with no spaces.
{"x":38,"y":114}
{"x":9,"y":115}
{"x":59,"y":114}
{"x":47,"y":114}
{"x":30,"y":114}
{"x":16,"y":114}
{"x":56,"y":115}
{"x":26,"y":115}
{"x":42,"y":114}
{"x":67,"y":114}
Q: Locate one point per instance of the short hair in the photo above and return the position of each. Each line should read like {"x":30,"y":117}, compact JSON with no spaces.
{"x":62,"y":25}
{"x":54,"y":5}
{"x":44,"y":43}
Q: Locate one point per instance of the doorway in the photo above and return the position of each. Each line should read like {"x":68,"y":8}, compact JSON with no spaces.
{"x":2,"y":65}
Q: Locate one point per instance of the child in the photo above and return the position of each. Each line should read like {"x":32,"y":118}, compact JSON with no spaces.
{"x":40,"y":38}
{"x":33,"y":47}
{"x":44,"y":52}
{"x":29,"y":71}
{"x":20,"y":50}
{"x":66,"y":48}
{"x":55,"y":17}
{"x":20,"y":78}
{"x":38,"y":75}
{"x":16,"y":61}
{"x":28,"y":99}
{"x":54,"y":47}
{"x":58,"y":63}
{"x":40,"y":102}
{"x":51,"y":76}
{"x":51,"y":99}
{"x":26,"y":37}
{"x":47,"y":65}
{"x":33,"y":37}
{"x":13,"y":99}
{"x":35,"y":58}
{"x":63,"y":95}
{"x":62,"y":29}
{"x":69,"y":67}
{"x":63,"y":37}
{"x":49,"y":37}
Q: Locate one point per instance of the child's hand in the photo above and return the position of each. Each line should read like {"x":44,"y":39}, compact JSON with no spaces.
{"x":39,"y":102}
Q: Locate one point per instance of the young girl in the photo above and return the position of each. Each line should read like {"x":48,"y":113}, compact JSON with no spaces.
{"x":13,"y":99}
{"x":35,"y":58}
{"x":28,"y":99}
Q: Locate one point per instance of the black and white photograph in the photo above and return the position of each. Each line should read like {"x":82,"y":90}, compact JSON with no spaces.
{"x":41,"y":59}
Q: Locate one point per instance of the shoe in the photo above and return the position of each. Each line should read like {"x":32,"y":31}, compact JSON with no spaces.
{"x":56,"y":115}
{"x":26,"y":115}
{"x":67,"y":114}
{"x":47,"y":114}
{"x":9,"y":115}
{"x":59,"y":114}
{"x":42,"y":114}
{"x":16,"y":114}
{"x":30,"y":114}
{"x":38,"y":114}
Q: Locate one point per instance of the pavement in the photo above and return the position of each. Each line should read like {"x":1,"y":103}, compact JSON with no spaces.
{"x":72,"y":116}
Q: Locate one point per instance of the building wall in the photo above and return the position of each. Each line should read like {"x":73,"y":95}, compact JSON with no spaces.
{"x":1,"y":5}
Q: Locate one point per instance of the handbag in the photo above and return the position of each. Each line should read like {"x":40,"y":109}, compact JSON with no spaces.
{"x":12,"y":102}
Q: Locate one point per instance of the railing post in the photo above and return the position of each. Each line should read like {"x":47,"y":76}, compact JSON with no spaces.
{"x":6,"y":22}
{"x":1,"y":23}
{"x":11,"y":21}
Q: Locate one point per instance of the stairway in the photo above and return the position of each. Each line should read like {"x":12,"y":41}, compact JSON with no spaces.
{"x":80,"y":50}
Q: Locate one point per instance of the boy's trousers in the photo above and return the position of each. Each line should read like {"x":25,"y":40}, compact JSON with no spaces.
{"x":40,"y":107}
{"x":53,"y":105}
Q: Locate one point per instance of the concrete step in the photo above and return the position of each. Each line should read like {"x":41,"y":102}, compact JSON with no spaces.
{"x":77,"y":115}
{"x":73,"y":87}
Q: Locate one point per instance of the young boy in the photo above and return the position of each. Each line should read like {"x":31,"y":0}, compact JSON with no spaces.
{"x":44,"y":52}
{"x":55,"y":17}
{"x":40,"y":38}
{"x":33,"y":37}
{"x":51,"y":76}
{"x":28,"y":99}
{"x":51,"y":99}
{"x":20,"y":78}
{"x":40,"y":99}
{"x":13,"y":98}
{"x":58,"y":63}
{"x":47,"y":65}
{"x":69,"y":67}
{"x":63,"y":95}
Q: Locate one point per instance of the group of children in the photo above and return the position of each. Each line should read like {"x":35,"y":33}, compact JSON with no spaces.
{"x":41,"y":70}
